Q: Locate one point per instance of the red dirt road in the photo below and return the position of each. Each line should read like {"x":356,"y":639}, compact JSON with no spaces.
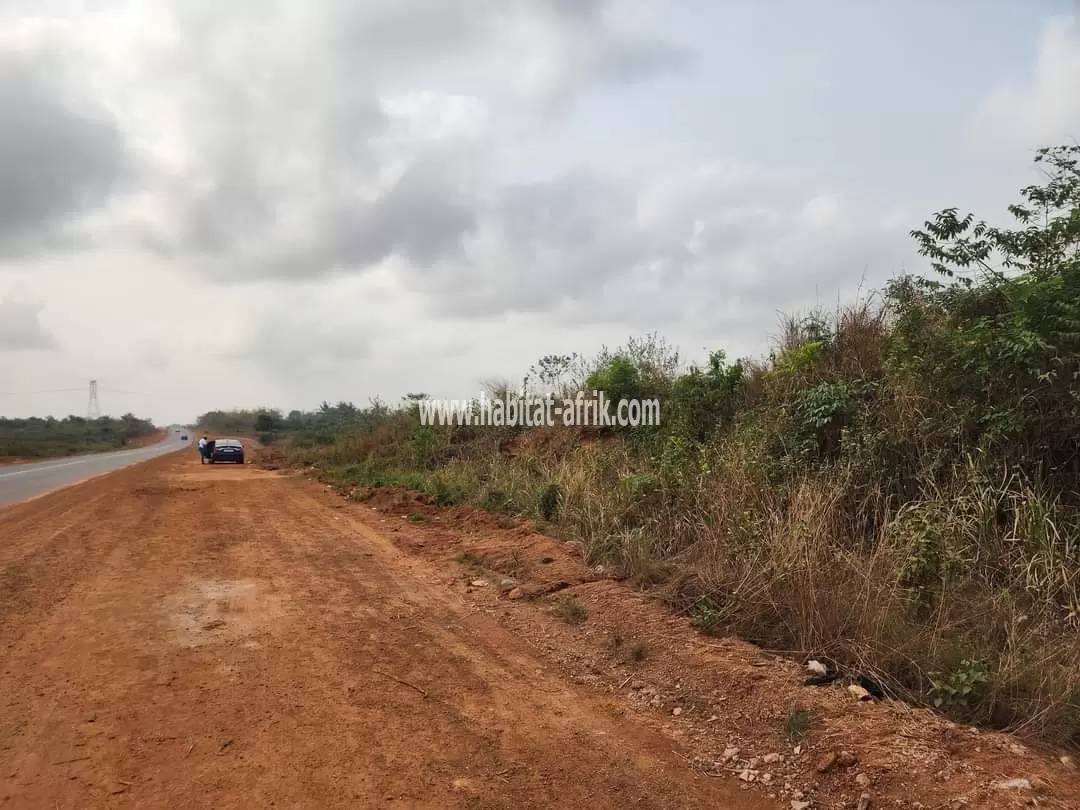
{"x":179,"y":635}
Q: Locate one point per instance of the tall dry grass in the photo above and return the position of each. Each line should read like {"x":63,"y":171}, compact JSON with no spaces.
{"x":881,"y":540}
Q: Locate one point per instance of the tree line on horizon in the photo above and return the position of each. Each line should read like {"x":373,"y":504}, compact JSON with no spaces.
{"x":47,"y":437}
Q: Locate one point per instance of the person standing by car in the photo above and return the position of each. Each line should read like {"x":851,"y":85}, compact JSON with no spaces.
{"x":204,"y":448}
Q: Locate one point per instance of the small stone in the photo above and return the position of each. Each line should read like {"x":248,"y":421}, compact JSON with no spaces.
{"x":864,"y":802}
{"x":748,"y":775}
{"x":799,"y":805}
{"x":766,"y":779}
{"x":1013,"y":784}
{"x":516,"y":593}
{"x":826,"y":763}
{"x":730,"y":754}
{"x":817,"y":667}
{"x":712,"y":718}
{"x":507,"y":584}
{"x":637,"y":686}
{"x":676,"y":711}
{"x":753,"y":763}
{"x":846,"y":759}
{"x":797,"y":750}
{"x":862,"y":780}
{"x":1018,"y":749}
{"x":1068,"y":762}
{"x":858,"y":692}
{"x":771,"y":758}
{"x":479,"y":583}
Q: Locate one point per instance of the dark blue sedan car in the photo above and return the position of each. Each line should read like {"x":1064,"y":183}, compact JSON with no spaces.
{"x":227,"y":450}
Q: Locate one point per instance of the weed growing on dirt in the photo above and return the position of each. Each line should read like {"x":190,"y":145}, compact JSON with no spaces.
{"x":548,"y":502}
{"x":470,"y":560}
{"x":705,"y":615}
{"x":615,"y":642}
{"x":571,"y":611}
{"x":517,"y":566}
{"x":797,"y":724}
{"x":960,"y":687}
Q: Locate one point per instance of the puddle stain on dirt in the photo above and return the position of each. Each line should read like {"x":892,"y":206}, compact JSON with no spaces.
{"x":210,"y":611}
{"x":211,"y":473}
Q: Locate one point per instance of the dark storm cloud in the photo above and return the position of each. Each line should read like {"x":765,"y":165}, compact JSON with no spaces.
{"x":543,"y":244}
{"x":20,"y":327}
{"x":60,"y":154}
{"x":421,"y":217}
{"x":291,"y":344}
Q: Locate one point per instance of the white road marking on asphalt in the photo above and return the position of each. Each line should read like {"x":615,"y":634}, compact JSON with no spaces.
{"x":33,"y":470}
{"x":49,"y":467}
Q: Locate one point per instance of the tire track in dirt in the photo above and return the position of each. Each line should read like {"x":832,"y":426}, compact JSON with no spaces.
{"x":61,"y":550}
{"x":221,"y":638}
{"x":466,"y":688}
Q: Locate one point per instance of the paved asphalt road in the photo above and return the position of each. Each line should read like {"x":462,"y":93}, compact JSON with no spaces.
{"x":21,"y":481}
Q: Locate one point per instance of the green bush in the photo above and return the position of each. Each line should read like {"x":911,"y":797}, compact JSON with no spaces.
{"x":50,"y":437}
{"x":704,"y":401}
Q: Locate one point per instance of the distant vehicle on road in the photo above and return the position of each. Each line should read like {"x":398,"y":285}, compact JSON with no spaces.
{"x":227,"y":450}
{"x":183,"y":438}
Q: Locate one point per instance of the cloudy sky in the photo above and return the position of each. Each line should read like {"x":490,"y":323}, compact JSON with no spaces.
{"x":276,"y":202}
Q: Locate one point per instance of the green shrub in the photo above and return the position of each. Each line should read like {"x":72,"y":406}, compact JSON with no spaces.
{"x":549,"y":501}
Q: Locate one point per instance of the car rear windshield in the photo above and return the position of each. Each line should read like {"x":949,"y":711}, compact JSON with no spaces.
{"x":226,"y":443}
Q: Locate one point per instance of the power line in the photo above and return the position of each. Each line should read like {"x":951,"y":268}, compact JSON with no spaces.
{"x":136,"y":393}
{"x":45,"y":391}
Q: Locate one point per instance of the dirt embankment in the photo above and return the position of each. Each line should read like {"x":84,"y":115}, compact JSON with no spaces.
{"x":746,"y":714}
{"x":176,"y":634}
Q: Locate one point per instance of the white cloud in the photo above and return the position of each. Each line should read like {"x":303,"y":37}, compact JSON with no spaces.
{"x":1043,"y":109}
{"x":21,"y":328}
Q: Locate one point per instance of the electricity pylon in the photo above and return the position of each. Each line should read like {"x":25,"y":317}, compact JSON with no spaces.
{"x":93,"y":410}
